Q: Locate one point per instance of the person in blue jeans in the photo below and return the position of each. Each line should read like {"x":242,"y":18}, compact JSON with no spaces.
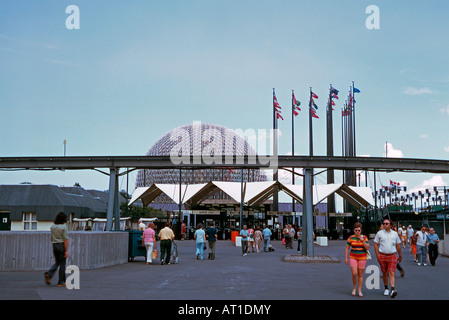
{"x":421,"y":246}
{"x":266,"y":238}
{"x":200,"y":237}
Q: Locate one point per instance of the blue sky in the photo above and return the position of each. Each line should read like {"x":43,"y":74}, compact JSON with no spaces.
{"x":132,"y":72}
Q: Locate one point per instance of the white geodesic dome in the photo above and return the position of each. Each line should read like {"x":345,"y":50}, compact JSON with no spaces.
{"x":199,"y":139}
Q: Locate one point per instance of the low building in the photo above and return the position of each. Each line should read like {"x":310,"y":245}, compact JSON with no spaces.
{"x":31,"y":207}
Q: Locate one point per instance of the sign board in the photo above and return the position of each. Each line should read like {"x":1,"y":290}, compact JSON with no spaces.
{"x":443,"y":216}
{"x":280,"y":213}
{"x":236,"y":213}
{"x":340,"y":214}
{"x":207,"y":212}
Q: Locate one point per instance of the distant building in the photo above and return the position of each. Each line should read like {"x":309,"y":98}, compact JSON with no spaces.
{"x":33,"y":207}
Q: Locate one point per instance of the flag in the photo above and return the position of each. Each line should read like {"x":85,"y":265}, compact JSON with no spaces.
{"x":334,"y":96}
{"x":314,"y":105}
{"x":296,"y":102}
{"x":276,"y":103}
{"x":356,"y":90}
{"x":333,"y":103}
{"x":295,"y":112}
{"x":278,"y":115}
{"x":314,"y":95}
{"x":314,"y":114}
{"x":394,"y":184}
{"x":334,"y":91}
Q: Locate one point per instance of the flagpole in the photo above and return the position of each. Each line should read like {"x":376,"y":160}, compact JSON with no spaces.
{"x":330,"y":152}
{"x":293,"y":147}
{"x":353,"y":120}
{"x":310,"y":125}
{"x":275,"y":154}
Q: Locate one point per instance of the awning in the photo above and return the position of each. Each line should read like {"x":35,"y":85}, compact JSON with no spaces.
{"x":254,"y":192}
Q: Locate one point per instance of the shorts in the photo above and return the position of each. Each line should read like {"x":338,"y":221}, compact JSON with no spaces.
{"x":414,"y":248}
{"x":360,"y":264}
{"x":388,"y":262}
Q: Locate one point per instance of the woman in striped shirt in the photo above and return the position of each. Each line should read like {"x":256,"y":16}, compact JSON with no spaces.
{"x":357,"y":246}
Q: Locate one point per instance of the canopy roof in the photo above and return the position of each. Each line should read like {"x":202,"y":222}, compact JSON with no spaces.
{"x":254,"y":193}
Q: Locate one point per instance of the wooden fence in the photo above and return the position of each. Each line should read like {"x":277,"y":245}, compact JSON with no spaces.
{"x":25,"y":251}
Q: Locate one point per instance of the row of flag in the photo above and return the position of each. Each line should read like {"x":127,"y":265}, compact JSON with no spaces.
{"x":333,"y":94}
{"x":393,"y":185}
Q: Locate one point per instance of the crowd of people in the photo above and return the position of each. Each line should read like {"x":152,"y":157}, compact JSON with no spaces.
{"x":388,"y":244}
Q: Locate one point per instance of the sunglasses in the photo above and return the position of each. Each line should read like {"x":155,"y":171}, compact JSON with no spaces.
{"x":386,"y":223}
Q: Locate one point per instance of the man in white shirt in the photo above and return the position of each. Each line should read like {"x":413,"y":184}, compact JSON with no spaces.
{"x":421,"y":246}
{"x":387,"y":246}
{"x":410,"y":233}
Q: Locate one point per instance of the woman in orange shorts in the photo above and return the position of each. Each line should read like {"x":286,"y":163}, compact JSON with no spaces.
{"x":357,"y":246}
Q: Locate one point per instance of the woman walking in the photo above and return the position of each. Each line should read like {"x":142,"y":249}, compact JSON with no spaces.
{"x":357,"y":246}
{"x":149,"y":242}
{"x":258,"y":239}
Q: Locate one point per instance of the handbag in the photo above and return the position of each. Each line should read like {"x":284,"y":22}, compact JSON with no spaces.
{"x":154,"y":254}
{"x":368,"y":255}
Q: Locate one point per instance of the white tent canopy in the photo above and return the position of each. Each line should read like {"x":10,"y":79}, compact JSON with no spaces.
{"x":253,"y":192}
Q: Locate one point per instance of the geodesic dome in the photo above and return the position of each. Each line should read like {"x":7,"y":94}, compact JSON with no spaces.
{"x":199,"y":139}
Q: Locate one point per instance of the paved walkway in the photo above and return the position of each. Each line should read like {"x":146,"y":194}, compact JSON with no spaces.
{"x":231,"y":276}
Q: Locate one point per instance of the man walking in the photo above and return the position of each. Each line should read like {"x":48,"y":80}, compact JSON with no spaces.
{"x":211,"y":235}
{"x":433,"y":241}
{"x":387,"y":246}
{"x":421,"y":246}
{"x":167,"y":236}
{"x":244,"y":234}
{"x":266,"y":238}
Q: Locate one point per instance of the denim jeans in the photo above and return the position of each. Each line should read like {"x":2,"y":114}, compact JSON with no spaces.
{"x":58,"y":252}
{"x":266,"y":244}
{"x":422,"y":254}
{"x":200,"y":249}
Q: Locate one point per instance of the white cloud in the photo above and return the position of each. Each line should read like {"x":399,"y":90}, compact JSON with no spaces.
{"x":424,"y":136}
{"x":446,"y":148}
{"x":445,"y":110}
{"x":392,"y":152}
{"x":416,"y":91}
{"x":429,"y":184}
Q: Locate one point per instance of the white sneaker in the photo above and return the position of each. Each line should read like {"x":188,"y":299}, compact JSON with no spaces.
{"x":393,"y":293}
{"x":424,"y":264}
{"x":386,"y":292}
{"x":419,"y":263}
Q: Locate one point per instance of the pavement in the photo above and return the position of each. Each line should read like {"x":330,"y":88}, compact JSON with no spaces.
{"x":264,"y":276}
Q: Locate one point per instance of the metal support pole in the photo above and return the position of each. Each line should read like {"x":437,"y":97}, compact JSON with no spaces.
{"x":111,"y":202}
{"x":116,"y":204}
{"x":242,"y":196}
{"x":308,"y":210}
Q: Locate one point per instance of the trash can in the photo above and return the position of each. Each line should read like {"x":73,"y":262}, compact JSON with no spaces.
{"x":233,"y":235}
{"x":135,"y":248}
